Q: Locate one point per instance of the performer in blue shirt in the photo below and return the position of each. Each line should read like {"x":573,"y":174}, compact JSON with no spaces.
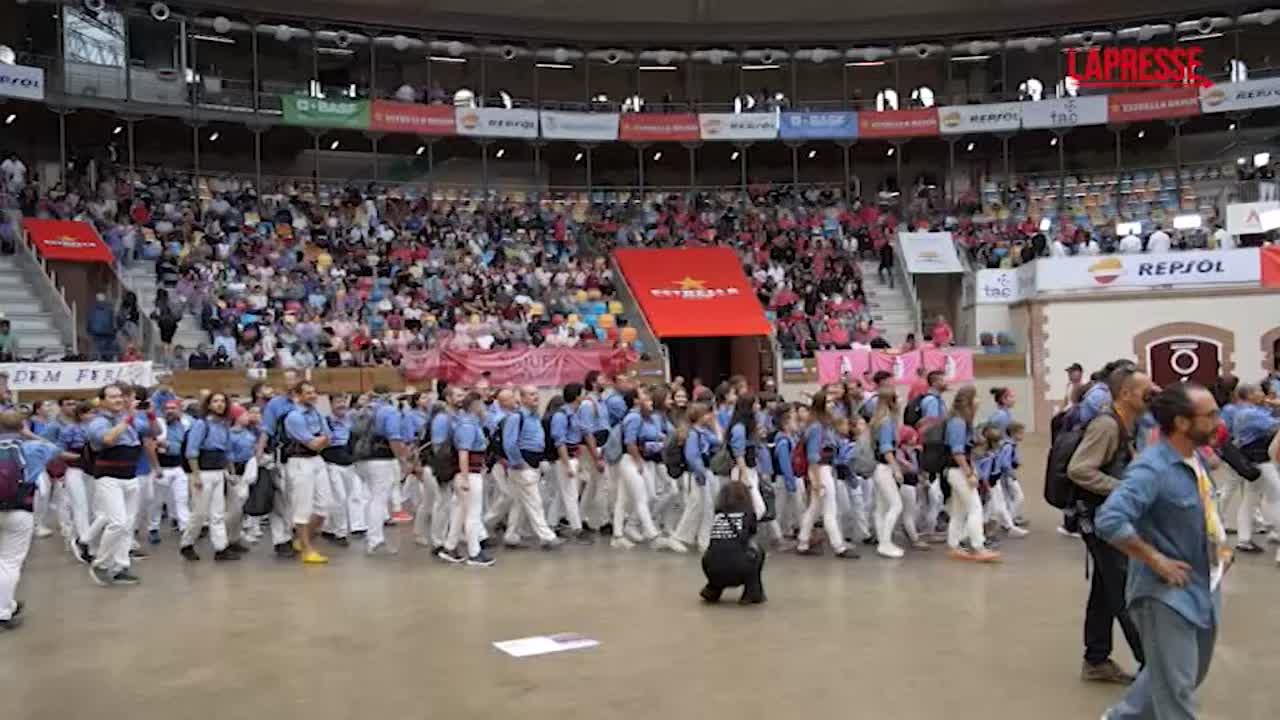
{"x":468,"y":487}
{"x":566,"y":438}
{"x":887,"y":476}
{"x":16,"y":520}
{"x":117,"y":447}
{"x":437,"y":458}
{"x":306,"y":435}
{"x":524,"y":444}
{"x":643,"y":434}
{"x":170,"y":486}
{"x":75,"y":483}
{"x":700,"y":443}
{"x":819,"y":444}
{"x":208,"y":444}
{"x":339,"y":460}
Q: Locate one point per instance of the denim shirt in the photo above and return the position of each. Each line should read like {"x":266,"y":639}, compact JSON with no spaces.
{"x":523,"y":433}
{"x":469,"y":435}
{"x":208,"y":434}
{"x":1252,"y":423}
{"x":243,"y":442}
{"x":698,"y":447}
{"x":1095,"y":400}
{"x":1159,"y":501}
{"x":817,"y":437}
{"x":564,"y":428}
{"x":646,"y":432}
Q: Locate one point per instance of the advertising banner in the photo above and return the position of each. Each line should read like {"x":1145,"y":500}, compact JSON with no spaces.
{"x":21,"y":81}
{"x":1246,"y":218}
{"x":1235,"y":97}
{"x":1065,"y":112}
{"x":999,"y":287}
{"x":955,"y":363}
{"x":837,"y":365}
{"x":413,"y":118}
{"x":738,"y":126}
{"x":497,"y":122}
{"x":992,"y":117}
{"x":693,"y":292}
{"x":902,"y":366}
{"x":819,"y":125}
{"x":76,"y":375}
{"x":348,"y":113}
{"x":546,"y":366}
{"x":929,"y":252}
{"x":1156,"y":105}
{"x":599,"y":127}
{"x":898,"y":123}
{"x":67,"y":240}
{"x":659,"y":127}
{"x":1190,"y":267}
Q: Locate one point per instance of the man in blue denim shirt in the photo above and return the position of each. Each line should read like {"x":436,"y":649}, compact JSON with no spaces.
{"x":1163,"y":518}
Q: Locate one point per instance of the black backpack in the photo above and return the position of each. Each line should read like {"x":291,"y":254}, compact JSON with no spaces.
{"x":935,"y":455}
{"x":550,"y":451}
{"x":1059,"y":490}
{"x":913,"y":413}
{"x":673,"y":454}
{"x":495,"y":452}
{"x":362,"y":434}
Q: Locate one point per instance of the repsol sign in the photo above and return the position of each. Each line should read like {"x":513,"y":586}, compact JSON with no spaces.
{"x":1179,"y":267}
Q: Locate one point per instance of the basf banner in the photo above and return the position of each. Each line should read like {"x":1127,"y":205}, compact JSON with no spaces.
{"x":1190,"y":267}
{"x":819,"y":125}
{"x":1065,"y":112}
{"x":738,"y":126}
{"x":992,"y":117}
{"x":597,"y":127}
{"x":1235,"y":97}
{"x":497,"y":122}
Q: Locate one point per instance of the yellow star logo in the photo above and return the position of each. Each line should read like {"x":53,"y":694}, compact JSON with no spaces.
{"x":688,"y":283}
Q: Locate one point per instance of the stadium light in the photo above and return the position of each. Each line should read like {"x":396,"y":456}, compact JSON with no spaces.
{"x":813,"y":154}
{"x":1129,"y":228}
{"x":10,"y":118}
{"x":334,"y":145}
{"x":734,"y":156}
{"x":1045,"y":224}
{"x":421,"y":149}
{"x":890,"y":153}
{"x":1186,"y":222}
{"x":657,"y":156}
{"x":1261,"y":159}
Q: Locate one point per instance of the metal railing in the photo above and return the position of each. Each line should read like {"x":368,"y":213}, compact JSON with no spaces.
{"x":52,"y":292}
{"x":909,"y":287}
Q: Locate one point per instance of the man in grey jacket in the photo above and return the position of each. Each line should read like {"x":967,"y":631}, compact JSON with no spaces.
{"x":1096,"y":468}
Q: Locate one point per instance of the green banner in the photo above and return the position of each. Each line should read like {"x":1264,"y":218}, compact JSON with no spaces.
{"x":348,"y":113}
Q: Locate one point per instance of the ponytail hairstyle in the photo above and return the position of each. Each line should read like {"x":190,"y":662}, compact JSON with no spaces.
{"x":965,"y":404}
{"x":1000,"y":395}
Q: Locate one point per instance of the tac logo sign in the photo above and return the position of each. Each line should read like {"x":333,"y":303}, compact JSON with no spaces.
{"x":1139,"y":67}
{"x":689,"y":288}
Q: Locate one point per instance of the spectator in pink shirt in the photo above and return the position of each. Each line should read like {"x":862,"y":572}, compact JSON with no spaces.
{"x":940,"y":333}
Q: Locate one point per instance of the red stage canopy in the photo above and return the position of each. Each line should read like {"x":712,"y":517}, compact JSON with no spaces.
{"x":693,"y":292}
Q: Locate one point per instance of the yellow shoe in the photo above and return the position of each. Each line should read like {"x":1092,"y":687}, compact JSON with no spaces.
{"x":314,"y":558}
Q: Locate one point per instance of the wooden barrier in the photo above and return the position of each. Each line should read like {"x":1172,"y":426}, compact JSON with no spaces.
{"x":987,"y":365}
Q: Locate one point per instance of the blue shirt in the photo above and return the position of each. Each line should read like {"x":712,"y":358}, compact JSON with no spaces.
{"x":98,"y":426}
{"x":724,"y":415}
{"x":764,"y":460}
{"x":412,"y":422}
{"x":386,"y":422}
{"x":615,"y":405}
{"x":1007,"y":457}
{"x":523,"y":432}
{"x":339,"y":430}
{"x":886,"y":437}
{"x":738,"y":440}
{"x":468,"y":435}
{"x":1001,"y":419}
{"x":782,"y":460}
{"x":816,"y":439}
{"x":1228,"y":414}
{"x":48,"y":430}
{"x":1159,"y":501}
{"x":931,"y":405}
{"x":1095,"y":400}
{"x":304,"y":424}
{"x":493,"y":416}
{"x":243,"y":443}
{"x":72,"y":438}
{"x":36,"y":454}
{"x":208,"y":434}
{"x":1252,"y":423}
{"x":984,"y":466}
{"x":590,"y":419}
{"x":277,"y":407}
{"x":645,"y":432}
{"x":441,"y":428}
{"x":698,"y":448}
{"x":956,"y":435}
{"x":564,"y":428}
{"x":844,"y":449}
{"x":174,"y":434}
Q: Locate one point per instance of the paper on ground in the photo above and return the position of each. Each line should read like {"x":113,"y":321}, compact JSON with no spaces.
{"x":544,"y":644}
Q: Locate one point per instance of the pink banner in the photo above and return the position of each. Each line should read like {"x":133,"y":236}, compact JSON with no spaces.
{"x":525,"y":366}
{"x":901,"y":365}
{"x":956,"y":363}
{"x":836,"y":365}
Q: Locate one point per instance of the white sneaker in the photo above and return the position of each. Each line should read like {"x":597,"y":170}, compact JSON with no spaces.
{"x":422,"y":542}
{"x":43,"y":532}
{"x":381,"y":548}
{"x":621,"y":543}
{"x":890,"y":551}
{"x":633,"y":535}
{"x":671,"y":544}
{"x":1067,"y":533}
{"x":1017,"y":532}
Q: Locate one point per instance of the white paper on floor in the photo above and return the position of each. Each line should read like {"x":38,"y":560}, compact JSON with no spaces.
{"x":544,"y":644}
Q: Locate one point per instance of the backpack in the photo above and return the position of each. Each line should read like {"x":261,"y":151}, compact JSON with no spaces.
{"x":262,"y":493}
{"x":673,"y":455}
{"x":914,"y":413}
{"x":496,"y":452}
{"x":613,"y":447}
{"x":864,"y":457}
{"x":1059,"y":490}
{"x":935,"y":455}
{"x":550,"y":451}
{"x":15,"y":492}
{"x":362,"y":434}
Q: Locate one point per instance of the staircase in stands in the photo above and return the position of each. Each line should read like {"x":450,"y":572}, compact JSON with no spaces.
{"x":891,"y":307}
{"x":141,"y":279}
{"x":31,"y":322}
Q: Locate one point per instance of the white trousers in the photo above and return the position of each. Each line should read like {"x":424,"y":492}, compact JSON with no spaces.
{"x":379,"y":475}
{"x":633,"y":498}
{"x":853,"y":506}
{"x":308,"y":489}
{"x":997,"y":508}
{"x":208,"y":505}
{"x":910,"y":511}
{"x":44,"y":502}
{"x":16,"y":527}
{"x":790,"y":505}
{"x":146,"y":493}
{"x":888,"y":507}
{"x":170,"y":488}
{"x":526,"y":505}
{"x":666,"y":504}
{"x":823,"y":504}
{"x":966,"y":512}
{"x":1230,"y":494}
{"x":431,"y":521}
{"x":467,"y":516}
{"x":357,"y":501}
{"x":1014,"y":497}
{"x":281,"y":517}
{"x":933,"y":506}
{"x":594,"y":502}
{"x":73,"y":510}
{"x":1261,"y":494}
{"x":116,"y":501}
{"x":499,"y":496}
{"x":699,"y":511}
{"x":342,"y":480}
{"x":237,"y":494}
{"x":567,"y":485}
